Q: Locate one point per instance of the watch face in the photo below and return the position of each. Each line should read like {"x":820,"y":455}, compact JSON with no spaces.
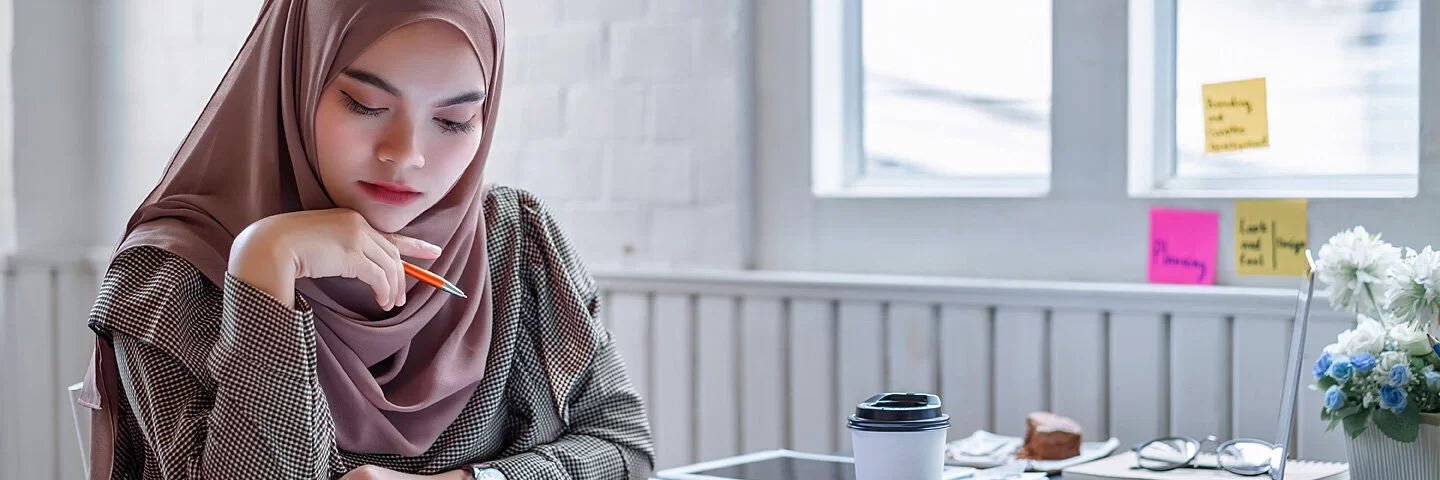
{"x":488,"y":474}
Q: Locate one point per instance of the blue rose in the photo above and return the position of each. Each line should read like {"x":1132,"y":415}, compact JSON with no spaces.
{"x":1392,"y":398}
{"x":1363,"y":362}
{"x":1322,"y":365}
{"x":1400,"y":375}
{"x":1334,"y":398}
{"x":1341,"y":369}
{"x":1432,"y":379}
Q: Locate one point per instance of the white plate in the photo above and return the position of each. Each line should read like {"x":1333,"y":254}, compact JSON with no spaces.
{"x":987,"y":450}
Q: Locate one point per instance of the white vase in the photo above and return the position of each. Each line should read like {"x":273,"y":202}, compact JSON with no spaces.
{"x":1374,"y":456}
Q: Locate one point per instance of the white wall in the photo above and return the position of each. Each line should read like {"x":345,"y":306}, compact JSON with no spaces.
{"x":53,"y":146}
{"x":8,"y":237}
{"x":631,"y":118}
{"x":156,"y":64}
{"x":1087,"y":228}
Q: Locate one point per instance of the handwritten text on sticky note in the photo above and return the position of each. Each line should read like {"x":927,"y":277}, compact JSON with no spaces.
{"x":1235,"y":117}
{"x":1270,"y":237}
{"x":1182,"y":246}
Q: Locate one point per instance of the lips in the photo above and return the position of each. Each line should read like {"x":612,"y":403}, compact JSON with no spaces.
{"x":388,"y":193}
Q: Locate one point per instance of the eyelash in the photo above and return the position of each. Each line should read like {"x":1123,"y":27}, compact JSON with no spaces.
{"x":446,"y":126}
{"x":358,"y":107}
{"x":452,"y":127}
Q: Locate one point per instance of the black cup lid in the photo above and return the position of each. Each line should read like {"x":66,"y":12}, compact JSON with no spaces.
{"x":899,"y":412}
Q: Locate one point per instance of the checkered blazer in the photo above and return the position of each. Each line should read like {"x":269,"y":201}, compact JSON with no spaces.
{"x":222,"y":383}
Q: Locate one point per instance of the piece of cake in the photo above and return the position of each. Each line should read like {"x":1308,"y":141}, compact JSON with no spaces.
{"x":1050,"y":437}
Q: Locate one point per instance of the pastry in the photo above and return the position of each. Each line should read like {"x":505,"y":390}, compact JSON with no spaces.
{"x":1050,"y":437}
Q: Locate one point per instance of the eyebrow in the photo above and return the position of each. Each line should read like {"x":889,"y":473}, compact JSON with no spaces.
{"x":380,"y":83}
{"x":467,"y":97}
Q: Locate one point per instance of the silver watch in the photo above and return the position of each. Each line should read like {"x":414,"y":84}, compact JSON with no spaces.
{"x":486,"y":473}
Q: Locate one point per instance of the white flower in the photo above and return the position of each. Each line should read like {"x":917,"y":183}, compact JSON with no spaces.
{"x":1414,"y":292}
{"x":1354,"y":266}
{"x":1389,"y":360}
{"x":1367,"y":337}
{"x":1335,"y":349}
{"x":1409,"y":340}
{"x":1370,"y":400}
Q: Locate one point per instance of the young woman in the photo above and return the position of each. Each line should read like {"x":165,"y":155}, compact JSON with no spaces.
{"x":256,"y":321}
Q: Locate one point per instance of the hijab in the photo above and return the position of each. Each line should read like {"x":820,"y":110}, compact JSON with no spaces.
{"x":394,"y":380}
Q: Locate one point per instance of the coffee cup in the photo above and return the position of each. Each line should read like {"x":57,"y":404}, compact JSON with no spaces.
{"x":899,"y":435}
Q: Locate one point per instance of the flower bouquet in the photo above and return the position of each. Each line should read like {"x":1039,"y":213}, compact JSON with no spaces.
{"x":1383,"y":372}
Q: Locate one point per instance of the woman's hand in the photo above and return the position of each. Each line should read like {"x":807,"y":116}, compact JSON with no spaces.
{"x":271,"y":253}
{"x":371,"y":472}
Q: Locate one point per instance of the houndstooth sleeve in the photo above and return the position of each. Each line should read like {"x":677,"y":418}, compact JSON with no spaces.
{"x":230,"y":388}
{"x":607,"y":437}
{"x":606,"y":432}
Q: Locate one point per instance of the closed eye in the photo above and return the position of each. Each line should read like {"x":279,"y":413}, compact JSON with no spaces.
{"x":359,"y":108}
{"x":450,"y":126}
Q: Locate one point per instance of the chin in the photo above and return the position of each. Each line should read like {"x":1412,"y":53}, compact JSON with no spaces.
{"x":388,"y":222}
{"x":384,"y":219}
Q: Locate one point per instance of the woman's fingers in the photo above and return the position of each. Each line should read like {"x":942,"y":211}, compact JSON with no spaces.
{"x":413,"y":247}
{"x":377,"y":254}
{"x":393,"y":252}
{"x":370,"y":272}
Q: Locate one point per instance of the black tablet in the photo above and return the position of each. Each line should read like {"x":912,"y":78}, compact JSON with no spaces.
{"x":781,"y":465}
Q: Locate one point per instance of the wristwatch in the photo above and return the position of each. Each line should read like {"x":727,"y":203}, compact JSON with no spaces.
{"x":481,"y":472}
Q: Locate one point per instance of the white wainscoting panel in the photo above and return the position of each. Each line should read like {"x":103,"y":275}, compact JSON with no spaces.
{"x":745,"y":361}
{"x":44,"y":347}
{"x":731,"y":362}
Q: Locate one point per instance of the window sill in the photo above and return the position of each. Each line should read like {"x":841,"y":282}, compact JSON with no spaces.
{"x":1378,"y":186}
{"x":972,"y":187}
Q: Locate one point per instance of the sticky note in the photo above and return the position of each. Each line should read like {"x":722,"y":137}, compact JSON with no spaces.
{"x":1182,"y":246}
{"x":1270,"y":237}
{"x":1235,"y":117}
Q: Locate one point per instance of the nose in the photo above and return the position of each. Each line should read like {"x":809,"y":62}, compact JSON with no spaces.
{"x":399,"y":145}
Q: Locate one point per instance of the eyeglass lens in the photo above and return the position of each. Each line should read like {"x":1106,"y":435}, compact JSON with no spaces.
{"x":1167,"y":453}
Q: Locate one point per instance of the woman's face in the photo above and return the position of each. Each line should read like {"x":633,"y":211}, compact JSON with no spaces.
{"x":396,"y":129}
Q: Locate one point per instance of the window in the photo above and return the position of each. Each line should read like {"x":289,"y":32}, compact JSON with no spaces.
{"x":931,"y":97}
{"x":1342,"y":88}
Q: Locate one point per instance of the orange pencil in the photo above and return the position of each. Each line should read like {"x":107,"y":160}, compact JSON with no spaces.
{"x":432,"y":279}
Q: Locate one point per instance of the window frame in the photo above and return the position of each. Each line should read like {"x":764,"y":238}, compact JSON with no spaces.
{"x":1151,"y":149}
{"x":837,"y":123}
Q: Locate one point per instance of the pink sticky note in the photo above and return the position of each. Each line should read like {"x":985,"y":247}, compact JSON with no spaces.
{"x":1182,"y":246}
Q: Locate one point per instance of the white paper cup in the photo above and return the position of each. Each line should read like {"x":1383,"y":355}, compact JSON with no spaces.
{"x":899,"y":435}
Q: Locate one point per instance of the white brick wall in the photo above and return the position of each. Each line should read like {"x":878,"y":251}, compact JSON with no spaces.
{"x":625,"y":115}
{"x":657,"y":89}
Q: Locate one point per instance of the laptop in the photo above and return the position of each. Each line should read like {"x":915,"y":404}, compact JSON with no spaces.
{"x":1292,"y":369}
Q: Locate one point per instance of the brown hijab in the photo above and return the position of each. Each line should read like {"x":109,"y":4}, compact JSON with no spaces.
{"x":394,"y":380}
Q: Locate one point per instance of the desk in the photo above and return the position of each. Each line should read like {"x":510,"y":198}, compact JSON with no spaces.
{"x":784,"y":464}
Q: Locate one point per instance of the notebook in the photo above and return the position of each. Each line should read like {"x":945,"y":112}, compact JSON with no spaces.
{"x":1119,"y":467}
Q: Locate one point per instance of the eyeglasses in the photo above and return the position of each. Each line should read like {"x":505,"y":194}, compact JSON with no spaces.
{"x":1242,"y":456}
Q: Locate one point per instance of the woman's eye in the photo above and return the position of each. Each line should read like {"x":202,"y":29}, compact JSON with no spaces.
{"x":450,"y":126}
{"x":357,"y":107}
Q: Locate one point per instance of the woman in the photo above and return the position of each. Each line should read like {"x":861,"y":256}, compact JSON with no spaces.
{"x":255,"y":321}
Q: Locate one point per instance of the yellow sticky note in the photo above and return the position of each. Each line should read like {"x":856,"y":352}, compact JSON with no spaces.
{"x":1235,"y":117}
{"x":1270,"y":237}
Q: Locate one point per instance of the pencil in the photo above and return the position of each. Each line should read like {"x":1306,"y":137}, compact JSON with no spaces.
{"x":433,"y":280}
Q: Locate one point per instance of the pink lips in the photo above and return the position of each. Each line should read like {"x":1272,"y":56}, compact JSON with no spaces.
{"x":398,"y":195}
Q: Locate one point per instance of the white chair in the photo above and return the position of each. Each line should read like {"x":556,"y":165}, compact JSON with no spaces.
{"x":80,"y":433}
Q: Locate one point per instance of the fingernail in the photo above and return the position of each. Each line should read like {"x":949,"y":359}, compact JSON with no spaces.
{"x":433,"y":247}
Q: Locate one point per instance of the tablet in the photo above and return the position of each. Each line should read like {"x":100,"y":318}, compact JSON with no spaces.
{"x":782,"y":465}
